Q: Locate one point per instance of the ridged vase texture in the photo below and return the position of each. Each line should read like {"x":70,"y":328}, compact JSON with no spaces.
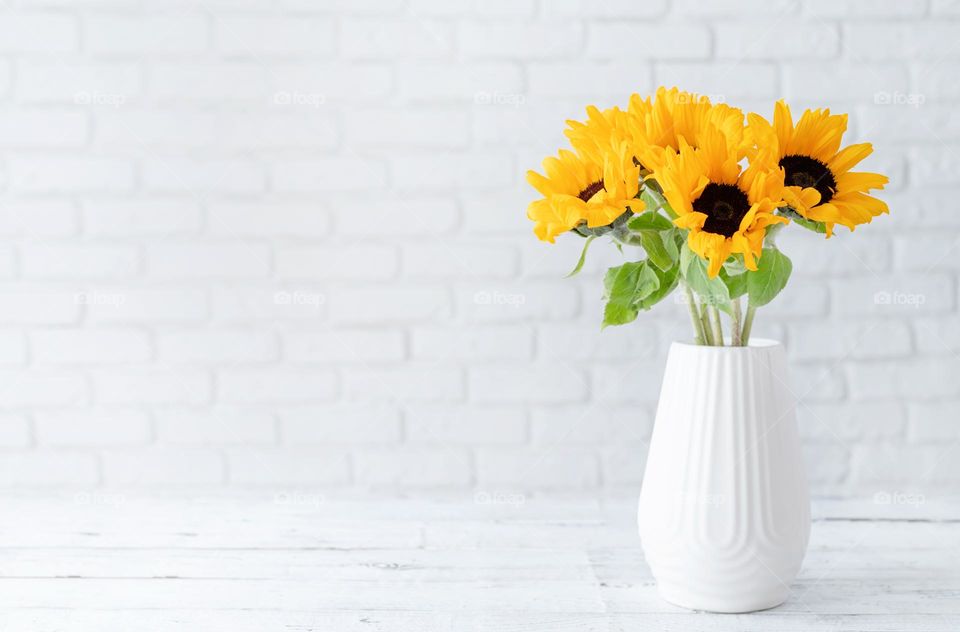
{"x":724,"y":513}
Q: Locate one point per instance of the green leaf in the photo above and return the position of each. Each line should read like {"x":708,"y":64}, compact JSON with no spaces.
{"x":652,"y":200}
{"x":736,"y":283}
{"x":625,"y":287}
{"x":670,"y":243}
{"x":694,"y":270}
{"x":734,"y":265}
{"x":668,"y":281}
{"x":686,"y":256}
{"x":649,"y":220}
{"x":656,"y":250}
{"x":809,"y":224}
{"x":618,"y":314}
{"x":583,"y":256}
{"x":773,"y":271}
{"x":656,"y":234}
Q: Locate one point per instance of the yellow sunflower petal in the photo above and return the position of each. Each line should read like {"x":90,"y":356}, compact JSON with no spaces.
{"x":712,"y":247}
{"x":848,"y":157}
{"x":690,"y":220}
{"x":859,"y":200}
{"x":549,"y":220}
{"x":809,"y":197}
{"x":782,"y":122}
{"x":861,"y":181}
{"x":830,"y":214}
{"x":742,"y":245}
{"x":825,"y":135}
{"x":540,"y":183}
{"x":716,"y":259}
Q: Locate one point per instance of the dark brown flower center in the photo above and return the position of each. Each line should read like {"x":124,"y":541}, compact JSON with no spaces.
{"x":591,"y":190}
{"x":809,"y":173}
{"x":724,"y":205}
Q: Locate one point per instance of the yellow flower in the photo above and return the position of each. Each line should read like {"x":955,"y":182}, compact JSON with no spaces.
{"x":578,"y":188}
{"x":657,"y":126}
{"x":819,"y":183}
{"x":725,"y":209}
{"x":602,"y":132}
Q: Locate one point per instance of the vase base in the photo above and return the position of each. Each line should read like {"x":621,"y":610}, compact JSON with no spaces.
{"x":682,"y":597}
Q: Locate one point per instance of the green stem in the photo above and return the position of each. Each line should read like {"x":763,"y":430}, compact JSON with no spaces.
{"x":653,"y":190}
{"x":735,"y":337}
{"x":717,"y":329}
{"x":748,"y":324}
{"x":694,"y":316}
{"x":705,"y":324}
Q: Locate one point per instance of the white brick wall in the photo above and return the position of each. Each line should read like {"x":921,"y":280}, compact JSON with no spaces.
{"x":267,"y":243}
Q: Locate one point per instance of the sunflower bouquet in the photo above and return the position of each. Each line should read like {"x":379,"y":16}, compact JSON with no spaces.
{"x":702,"y":191}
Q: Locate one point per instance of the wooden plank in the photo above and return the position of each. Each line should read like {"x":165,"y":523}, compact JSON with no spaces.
{"x":359,"y":565}
{"x":822,"y":597}
{"x":433,"y":565}
{"x":770,"y":621}
{"x":229,"y":621}
{"x":395,"y":621}
{"x":531,"y":535}
{"x":250,"y":562}
{"x":305,"y":595}
{"x":859,"y":564}
{"x":819,"y":597}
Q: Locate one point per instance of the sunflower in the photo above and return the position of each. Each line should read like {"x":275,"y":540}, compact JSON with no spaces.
{"x":580,"y":189}
{"x":599,"y":134}
{"x":725,"y":209}
{"x":657,"y":126}
{"x":819,"y":183}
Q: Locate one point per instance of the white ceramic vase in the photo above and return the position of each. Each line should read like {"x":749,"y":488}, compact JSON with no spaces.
{"x":724,"y":511}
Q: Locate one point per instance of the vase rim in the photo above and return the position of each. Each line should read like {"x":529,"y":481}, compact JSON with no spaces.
{"x":755,"y":343}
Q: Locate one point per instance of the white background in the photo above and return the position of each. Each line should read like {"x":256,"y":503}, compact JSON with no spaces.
{"x":284,"y":243}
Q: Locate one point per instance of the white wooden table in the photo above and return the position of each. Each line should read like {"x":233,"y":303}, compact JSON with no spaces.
{"x":262,"y":562}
